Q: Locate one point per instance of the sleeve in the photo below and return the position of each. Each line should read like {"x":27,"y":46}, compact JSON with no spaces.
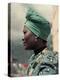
{"x":47,"y":69}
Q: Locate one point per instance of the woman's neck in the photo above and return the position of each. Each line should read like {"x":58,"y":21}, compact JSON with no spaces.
{"x":36,"y":51}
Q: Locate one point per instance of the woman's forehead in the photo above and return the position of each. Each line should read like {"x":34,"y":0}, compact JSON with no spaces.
{"x":25,"y":28}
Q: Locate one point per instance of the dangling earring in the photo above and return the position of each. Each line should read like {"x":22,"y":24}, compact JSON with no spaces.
{"x":35,"y":38}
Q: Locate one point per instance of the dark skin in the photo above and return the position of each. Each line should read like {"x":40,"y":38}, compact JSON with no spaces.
{"x":31,"y":42}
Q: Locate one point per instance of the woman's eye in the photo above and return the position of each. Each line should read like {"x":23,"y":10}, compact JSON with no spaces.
{"x":25,"y":32}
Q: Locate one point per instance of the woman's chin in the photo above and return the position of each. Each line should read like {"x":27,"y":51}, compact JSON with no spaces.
{"x":26,"y":48}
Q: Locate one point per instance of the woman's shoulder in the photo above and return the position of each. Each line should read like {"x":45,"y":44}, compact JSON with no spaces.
{"x":50,"y":56}
{"x":49,"y":64}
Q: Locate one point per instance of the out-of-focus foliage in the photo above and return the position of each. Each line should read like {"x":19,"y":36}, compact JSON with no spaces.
{"x":18,"y":70}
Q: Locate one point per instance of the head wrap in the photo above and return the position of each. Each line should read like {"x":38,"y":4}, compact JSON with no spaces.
{"x":37,"y":24}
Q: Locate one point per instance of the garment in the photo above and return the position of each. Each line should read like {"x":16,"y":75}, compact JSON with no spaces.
{"x":44,"y":63}
{"x":37,"y":24}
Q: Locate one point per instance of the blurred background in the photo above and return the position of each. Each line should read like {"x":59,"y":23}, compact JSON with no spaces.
{"x":16,"y":18}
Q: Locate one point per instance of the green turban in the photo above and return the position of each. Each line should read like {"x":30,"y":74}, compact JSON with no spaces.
{"x":37,"y":24}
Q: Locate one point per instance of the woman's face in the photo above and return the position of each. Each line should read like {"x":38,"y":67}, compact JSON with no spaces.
{"x":29,"y":39}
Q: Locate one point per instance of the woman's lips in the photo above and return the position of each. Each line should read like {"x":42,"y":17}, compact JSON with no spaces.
{"x":24,"y":43}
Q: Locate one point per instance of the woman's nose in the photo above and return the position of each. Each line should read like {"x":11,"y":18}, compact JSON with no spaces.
{"x":22,"y":39}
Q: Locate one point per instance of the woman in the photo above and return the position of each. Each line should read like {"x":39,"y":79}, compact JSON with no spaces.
{"x":36,"y":31}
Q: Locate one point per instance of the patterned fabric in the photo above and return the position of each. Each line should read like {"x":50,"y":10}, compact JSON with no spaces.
{"x":44,"y":63}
